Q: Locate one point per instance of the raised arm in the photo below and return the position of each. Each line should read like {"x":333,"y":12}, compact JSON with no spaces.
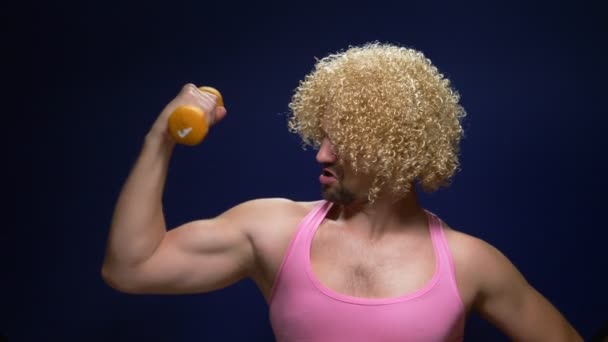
{"x":142,"y":255}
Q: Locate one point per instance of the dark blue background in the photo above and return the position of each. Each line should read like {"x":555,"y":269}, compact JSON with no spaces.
{"x":87,"y":80}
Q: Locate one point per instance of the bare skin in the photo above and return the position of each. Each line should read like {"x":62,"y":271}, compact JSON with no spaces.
{"x":250,"y":240}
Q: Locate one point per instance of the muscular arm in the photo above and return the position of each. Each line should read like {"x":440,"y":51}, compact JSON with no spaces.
{"x":199,"y":256}
{"x":508,"y":301}
{"x":138,"y":224}
{"x":142,"y":256}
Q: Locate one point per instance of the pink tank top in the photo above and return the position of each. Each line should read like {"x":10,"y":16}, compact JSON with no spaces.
{"x":302,"y":309}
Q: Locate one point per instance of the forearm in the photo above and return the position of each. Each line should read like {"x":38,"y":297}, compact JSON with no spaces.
{"x":138,"y":223}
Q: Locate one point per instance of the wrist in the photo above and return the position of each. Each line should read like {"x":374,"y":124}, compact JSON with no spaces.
{"x":159,"y":140}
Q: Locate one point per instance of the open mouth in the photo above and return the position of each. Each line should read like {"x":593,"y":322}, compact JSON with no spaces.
{"x":327,"y":177}
{"x":328,"y":173}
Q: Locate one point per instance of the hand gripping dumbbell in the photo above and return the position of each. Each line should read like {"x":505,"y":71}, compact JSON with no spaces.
{"x":189,"y":125}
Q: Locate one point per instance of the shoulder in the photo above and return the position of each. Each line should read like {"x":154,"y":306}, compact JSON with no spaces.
{"x":271,"y":207}
{"x":263,"y":214}
{"x":270,"y":224}
{"x":479,"y":265}
{"x":473,"y":253}
{"x":468,"y":247}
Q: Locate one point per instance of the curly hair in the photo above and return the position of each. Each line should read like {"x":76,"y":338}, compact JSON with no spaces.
{"x":389,"y":113}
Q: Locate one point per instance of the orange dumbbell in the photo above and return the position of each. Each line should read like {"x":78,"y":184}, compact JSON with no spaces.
{"x":189,"y":125}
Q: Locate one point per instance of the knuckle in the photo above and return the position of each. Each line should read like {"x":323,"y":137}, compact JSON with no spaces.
{"x":188,"y":87}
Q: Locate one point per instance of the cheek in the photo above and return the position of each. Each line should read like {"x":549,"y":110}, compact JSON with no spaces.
{"x":356,"y":182}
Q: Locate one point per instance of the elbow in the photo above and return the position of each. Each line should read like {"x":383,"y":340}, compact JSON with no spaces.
{"x":109,"y":277}
{"x":118,"y":281}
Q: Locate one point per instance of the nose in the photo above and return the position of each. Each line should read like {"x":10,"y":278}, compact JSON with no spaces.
{"x":326,"y":152}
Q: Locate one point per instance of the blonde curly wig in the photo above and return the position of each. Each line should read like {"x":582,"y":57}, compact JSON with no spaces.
{"x":389,"y":113}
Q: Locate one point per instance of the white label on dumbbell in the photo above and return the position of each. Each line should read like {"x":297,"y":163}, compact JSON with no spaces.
{"x":183,"y":132}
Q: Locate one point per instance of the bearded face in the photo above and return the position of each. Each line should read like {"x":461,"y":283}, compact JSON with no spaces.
{"x":339,"y":183}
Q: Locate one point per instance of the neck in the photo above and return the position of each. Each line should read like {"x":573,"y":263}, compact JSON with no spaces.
{"x":384,"y":215}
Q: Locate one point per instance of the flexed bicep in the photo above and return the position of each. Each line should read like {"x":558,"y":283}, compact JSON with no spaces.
{"x":198,"y":256}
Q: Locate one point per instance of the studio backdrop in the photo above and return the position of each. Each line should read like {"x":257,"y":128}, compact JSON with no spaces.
{"x":532,"y":180}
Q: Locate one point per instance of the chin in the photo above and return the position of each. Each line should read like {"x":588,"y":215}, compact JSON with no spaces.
{"x":338,"y":196}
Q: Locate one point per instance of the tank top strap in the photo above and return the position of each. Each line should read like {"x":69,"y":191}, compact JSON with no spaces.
{"x":296,"y":246}
{"x":318,"y":214}
{"x":441,"y":246}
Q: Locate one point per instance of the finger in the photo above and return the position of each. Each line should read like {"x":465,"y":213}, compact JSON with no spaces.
{"x":204,"y":95}
{"x":188,"y":88}
{"x":220,"y":113}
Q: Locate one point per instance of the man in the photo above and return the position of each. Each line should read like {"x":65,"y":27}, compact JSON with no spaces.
{"x":366,"y":263}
